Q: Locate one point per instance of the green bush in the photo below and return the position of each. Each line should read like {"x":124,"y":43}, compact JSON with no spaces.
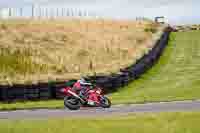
{"x":150,"y":29}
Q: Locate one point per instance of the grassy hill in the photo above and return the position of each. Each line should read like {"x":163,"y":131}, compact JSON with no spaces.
{"x":39,"y":50}
{"x":175,"y":77}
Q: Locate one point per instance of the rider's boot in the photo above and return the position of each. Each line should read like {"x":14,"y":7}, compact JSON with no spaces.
{"x":82,"y":94}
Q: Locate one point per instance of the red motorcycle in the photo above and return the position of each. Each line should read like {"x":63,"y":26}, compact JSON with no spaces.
{"x":93,"y":98}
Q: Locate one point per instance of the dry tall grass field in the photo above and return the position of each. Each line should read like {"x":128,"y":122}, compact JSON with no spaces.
{"x":39,"y":50}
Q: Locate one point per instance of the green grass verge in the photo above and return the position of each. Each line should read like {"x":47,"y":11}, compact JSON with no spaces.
{"x":135,"y":123}
{"x":174,"y":77}
{"x":51,"y":104}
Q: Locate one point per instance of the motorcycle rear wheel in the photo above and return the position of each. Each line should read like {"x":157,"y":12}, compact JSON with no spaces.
{"x":72,"y":103}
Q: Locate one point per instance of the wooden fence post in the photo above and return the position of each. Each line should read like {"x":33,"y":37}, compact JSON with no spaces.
{"x":46,"y":12}
{"x":39,"y":14}
{"x":67,"y":13}
{"x":9,"y":12}
{"x":72,"y":13}
{"x":32,"y":11}
{"x":79,"y":13}
{"x":57,"y":12}
{"x":21,"y":12}
{"x":62,"y":12}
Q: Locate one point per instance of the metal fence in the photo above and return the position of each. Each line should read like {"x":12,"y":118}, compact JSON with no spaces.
{"x":53,"y":12}
{"x":35,"y":11}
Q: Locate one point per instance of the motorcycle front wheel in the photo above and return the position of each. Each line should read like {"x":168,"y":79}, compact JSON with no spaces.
{"x":105,"y":102}
{"x":72,"y":103}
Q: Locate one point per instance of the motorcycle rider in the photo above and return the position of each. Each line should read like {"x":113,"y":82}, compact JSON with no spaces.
{"x":81,"y":86}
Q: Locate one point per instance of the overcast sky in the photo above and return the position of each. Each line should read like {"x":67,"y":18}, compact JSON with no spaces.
{"x":175,"y":11}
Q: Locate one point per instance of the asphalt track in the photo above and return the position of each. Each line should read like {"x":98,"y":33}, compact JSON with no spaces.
{"x":99,"y":112}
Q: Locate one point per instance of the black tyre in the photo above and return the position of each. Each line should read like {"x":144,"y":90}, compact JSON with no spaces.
{"x":72,"y":103}
{"x":105,"y":102}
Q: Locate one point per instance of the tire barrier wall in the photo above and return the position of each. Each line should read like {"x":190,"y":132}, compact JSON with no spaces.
{"x":116,"y":81}
{"x":51,"y":90}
